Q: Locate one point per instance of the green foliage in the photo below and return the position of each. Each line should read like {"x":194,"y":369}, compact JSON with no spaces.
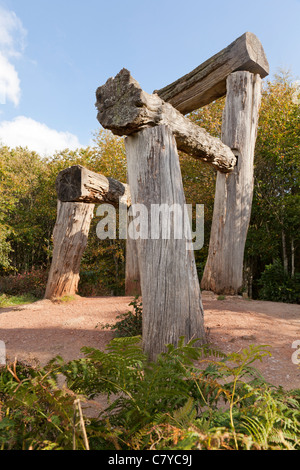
{"x":276,"y":285}
{"x":130,"y":323}
{"x":189,"y":398}
{"x":31,"y":283}
{"x":10,"y":301}
{"x":28,"y":203}
{"x":35,"y":413}
{"x":274,"y":228}
{"x":221,"y":297}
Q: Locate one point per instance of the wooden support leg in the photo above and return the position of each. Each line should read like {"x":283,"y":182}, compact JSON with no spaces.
{"x":172,"y":305}
{"x":223,"y":272}
{"x":70,"y":239}
{"x":132,"y":272}
{"x":132,"y":269}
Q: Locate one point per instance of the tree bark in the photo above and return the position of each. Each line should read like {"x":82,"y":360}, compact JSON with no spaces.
{"x":70,"y":239}
{"x":132,"y":270}
{"x":172,"y":305}
{"x":208,"y":81}
{"x":124,"y":108}
{"x":223,"y":272}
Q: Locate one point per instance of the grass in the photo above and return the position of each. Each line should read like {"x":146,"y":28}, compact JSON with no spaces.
{"x":15,"y":300}
{"x":221,"y":297}
{"x":65,"y":299}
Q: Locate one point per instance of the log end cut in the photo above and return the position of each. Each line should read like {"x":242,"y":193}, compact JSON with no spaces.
{"x":207,"y":82}
{"x":112,"y":103}
{"x":257,"y":62}
{"x":69,"y":183}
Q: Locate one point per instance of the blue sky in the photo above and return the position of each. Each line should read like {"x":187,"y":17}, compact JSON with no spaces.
{"x":54,"y":54}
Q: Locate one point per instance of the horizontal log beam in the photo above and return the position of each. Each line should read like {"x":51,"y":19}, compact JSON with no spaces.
{"x":124,"y":108}
{"x":78,"y":184}
{"x":208,"y":81}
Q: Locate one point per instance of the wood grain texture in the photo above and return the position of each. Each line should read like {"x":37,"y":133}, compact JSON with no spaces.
{"x":78,"y":184}
{"x":124,"y":108}
{"x":208,"y":81}
{"x":132,"y":270}
{"x":172,"y":305}
{"x":223,"y":273}
{"x":70,"y":239}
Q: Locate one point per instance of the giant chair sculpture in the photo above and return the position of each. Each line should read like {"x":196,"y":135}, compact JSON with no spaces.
{"x":155,"y":126}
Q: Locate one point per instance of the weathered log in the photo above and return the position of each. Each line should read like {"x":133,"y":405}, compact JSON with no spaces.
{"x":124,"y":108}
{"x":172,"y":305}
{"x":223,"y":273}
{"x":78,"y":184}
{"x":208,"y":81}
{"x":69,"y":239}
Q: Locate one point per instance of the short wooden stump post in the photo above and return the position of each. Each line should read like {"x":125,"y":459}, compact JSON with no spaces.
{"x":70,"y":237}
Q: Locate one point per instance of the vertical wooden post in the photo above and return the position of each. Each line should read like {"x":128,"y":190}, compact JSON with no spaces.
{"x":223,"y":272}
{"x":70,"y":239}
{"x":132,"y":270}
{"x":172,"y":305}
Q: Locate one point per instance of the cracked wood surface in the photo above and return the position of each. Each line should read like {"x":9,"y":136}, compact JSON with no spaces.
{"x":207,"y":82}
{"x":223,"y":273}
{"x":78,"y":184}
{"x":124,"y":108}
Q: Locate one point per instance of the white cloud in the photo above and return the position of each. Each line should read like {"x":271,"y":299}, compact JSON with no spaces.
{"x":12,"y":34}
{"x":25,"y":132}
{"x":12,"y":44}
{"x":9,"y":82}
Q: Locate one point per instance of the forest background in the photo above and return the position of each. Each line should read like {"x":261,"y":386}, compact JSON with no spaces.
{"x":28,"y":204}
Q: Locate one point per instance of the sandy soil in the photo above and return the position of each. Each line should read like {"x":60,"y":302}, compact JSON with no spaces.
{"x":38,"y":332}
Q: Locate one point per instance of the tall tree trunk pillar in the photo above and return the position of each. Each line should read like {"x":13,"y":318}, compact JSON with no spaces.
{"x":172,"y":305}
{"x":223,"y":273}
{"x":70,"y":237}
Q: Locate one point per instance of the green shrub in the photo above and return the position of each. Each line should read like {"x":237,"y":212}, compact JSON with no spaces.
{"x":91,"y":284}
{"x":129,"y":323}
{"x":189,"y":398}
{"x":30,"y":283}
{"x":277,"y":286}
{"x":35,"y":413}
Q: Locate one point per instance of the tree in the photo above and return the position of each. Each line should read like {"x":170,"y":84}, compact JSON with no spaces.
{"x":275,"y":225}
{"x":24,"y":216}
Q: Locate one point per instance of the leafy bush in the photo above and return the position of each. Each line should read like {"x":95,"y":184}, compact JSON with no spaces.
{"x":189,"y":398}
{"x":35,"y":413}
{"x":30,"y":283}
{"x":91,"y":284}
{"x":277,"y":286}
{"x":129,"y":323}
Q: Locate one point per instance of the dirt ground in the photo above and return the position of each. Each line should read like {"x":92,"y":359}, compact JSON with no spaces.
{"x":38,"y":332}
